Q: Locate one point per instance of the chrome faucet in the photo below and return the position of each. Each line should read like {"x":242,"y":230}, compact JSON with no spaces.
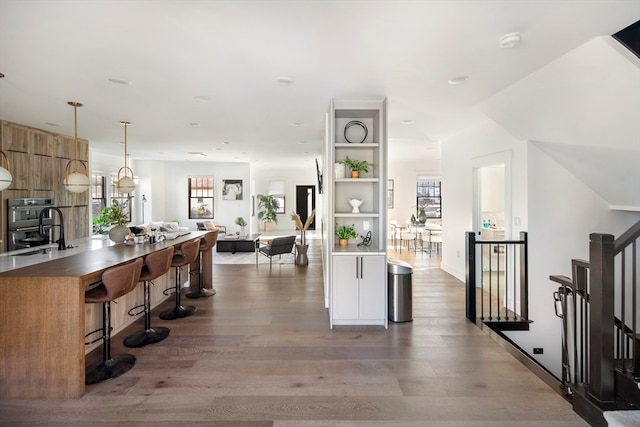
{"x":61,"y":243}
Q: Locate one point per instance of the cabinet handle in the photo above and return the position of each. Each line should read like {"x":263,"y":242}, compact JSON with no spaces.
{"x":357,"y":273}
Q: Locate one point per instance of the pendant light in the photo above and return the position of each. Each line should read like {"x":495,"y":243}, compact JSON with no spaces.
{"x":76,"y":182}
{"x":5,"y":174}
{"x":125,"y":183}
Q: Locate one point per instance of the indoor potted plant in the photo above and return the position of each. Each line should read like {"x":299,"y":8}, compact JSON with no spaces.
{"x":268,"y":206}
{"x":242,"y":223}
{"x":344,"y":233}
{"x":116,"y":215}
{"x":356,"y":166}
{"x":301,"y":249}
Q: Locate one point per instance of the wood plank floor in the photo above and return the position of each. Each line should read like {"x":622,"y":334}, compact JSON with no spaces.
{"x":260,"y":353}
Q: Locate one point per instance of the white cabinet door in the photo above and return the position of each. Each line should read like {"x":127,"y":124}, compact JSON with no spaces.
{"x":359,"y":289}
{"x":373,"y":287}
{"x":345,"y":287}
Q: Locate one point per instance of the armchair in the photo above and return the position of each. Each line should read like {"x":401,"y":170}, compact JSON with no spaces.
{"x":279,"y":246}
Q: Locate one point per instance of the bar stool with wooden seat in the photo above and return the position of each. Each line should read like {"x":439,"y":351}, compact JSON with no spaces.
{"x":116,"y":282}
{"x":187,"y":254}
{"x":155,"y":265}
{"x":207,"y":243}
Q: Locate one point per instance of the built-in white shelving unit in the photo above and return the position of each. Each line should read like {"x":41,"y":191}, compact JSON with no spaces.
{"x":356,"y":277}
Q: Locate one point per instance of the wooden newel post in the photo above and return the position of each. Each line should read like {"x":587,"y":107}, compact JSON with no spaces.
{"x":470,"y":275}
{"x":601,"y":336}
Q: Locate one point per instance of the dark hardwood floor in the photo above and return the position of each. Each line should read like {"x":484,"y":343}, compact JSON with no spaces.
{"x":260,"y":353}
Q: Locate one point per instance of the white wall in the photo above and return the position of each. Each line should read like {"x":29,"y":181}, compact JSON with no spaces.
{"x":556,"y":209}
{"x":459,"y":156}
{"x":563,"y":211}
{"x":296,"y":175}
{"x":170,"y":202}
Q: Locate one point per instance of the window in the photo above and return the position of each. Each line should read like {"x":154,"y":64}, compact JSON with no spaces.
{"x":201,"y":197}
{"x":280,"y":199}
{"x":98,"y":194}
{"x":428,"y":198}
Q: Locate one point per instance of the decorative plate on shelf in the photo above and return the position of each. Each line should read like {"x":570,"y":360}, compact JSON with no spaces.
{"x":355,"y":132}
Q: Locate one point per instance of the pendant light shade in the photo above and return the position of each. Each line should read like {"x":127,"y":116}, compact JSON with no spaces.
{"x":125,"y":182}
{"x":76,"y":181}
{"x":5,"y":174}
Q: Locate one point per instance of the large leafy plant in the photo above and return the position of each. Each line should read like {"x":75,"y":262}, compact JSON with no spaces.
{"x":268,"y":206}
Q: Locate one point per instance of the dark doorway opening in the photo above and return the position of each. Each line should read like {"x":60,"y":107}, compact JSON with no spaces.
{"x":305,"y":203}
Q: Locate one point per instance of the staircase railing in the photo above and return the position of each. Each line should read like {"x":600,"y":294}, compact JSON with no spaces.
{"x":599,"y":309}
{"x":497,"y":271}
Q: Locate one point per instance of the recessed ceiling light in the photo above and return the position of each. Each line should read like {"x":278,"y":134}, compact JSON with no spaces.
{"x":302,"y":142}
{"x":54,"y":124}
{"x":509,"y":40}
{"x":119,"y":81}
{"x":296,"y":124}
{"x":226,"y":142}
{"x":194,"y":124}
{"x":407,"y":122}
{"x":458,"y":80}
{"x":202,"y":98}
{"x":285,"y":81}
{"x":197,"y":153}
{"x":218,"y":149}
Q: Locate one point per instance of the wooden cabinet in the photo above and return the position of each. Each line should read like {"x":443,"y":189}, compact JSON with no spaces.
{"x":357,"y":273}
{"x":38,"y":160}
{"x":359,"y":295}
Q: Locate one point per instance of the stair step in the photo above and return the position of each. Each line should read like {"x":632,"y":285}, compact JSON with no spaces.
{"x":508,"y":325}
{"x":593,"y":411}
{"x":627,"y":388}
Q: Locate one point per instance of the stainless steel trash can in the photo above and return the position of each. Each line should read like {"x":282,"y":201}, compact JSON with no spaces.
{"x":399,"y":293}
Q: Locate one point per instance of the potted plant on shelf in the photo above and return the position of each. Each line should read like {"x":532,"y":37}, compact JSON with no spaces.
{"x":356,"y":166}
{"x":268,"y":206}
{"x":242,"y":223}
{"x":345,"y":232}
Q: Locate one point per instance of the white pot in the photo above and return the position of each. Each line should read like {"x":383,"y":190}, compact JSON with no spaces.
{"x":118,"y":233}
{"x":339,"y":170}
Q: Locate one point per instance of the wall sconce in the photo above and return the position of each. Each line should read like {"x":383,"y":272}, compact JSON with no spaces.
{"x":125,"y":183}
{"x":76,"y":182}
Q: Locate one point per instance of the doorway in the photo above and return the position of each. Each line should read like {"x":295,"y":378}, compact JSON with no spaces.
{"x":306,"y":203}
{"x":492,"y":193}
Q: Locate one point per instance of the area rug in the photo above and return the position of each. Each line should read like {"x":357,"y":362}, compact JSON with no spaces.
{"x":249,"y":258}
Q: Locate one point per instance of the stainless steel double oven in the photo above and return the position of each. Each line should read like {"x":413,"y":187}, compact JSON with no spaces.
{"x":22,"y":222}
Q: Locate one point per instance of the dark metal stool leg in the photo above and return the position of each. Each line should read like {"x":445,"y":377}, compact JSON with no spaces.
{"x":149,"y":335}
{"x":110,"y":367}
{"x":179,"y":311}
{"x":202,"y":292}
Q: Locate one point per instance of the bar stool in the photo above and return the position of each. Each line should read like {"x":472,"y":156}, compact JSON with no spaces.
{"x":155,"y":265}
{"x":188,"y":254}
{"x":206,"y":244}
{"x":116,"y":282}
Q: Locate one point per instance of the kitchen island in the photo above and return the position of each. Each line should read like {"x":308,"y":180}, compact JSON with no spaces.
{"x":43,"y":317}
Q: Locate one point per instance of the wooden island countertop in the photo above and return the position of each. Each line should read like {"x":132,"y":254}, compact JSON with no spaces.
{"x":42,"y":315}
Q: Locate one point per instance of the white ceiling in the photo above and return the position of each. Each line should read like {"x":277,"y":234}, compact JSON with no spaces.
{"x":232,"y":53}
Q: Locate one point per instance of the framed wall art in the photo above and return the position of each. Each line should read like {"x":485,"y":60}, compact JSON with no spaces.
{"x":231,"y":189}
